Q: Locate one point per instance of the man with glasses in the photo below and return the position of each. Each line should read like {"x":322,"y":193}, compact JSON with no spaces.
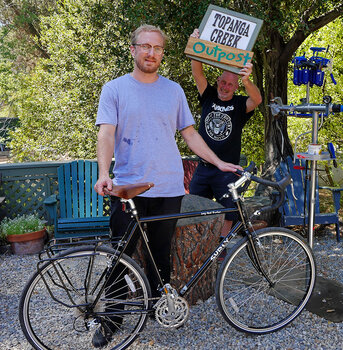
{"x":138,"y":116}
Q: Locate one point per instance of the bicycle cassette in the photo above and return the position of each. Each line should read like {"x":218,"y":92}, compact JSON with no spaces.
{"x":171,"y":310}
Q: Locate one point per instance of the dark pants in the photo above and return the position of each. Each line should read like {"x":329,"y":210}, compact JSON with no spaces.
{"x":210,"y":182}
{"x":159,"y":233}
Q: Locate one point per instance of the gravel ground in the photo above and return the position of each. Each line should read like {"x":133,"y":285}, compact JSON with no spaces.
{"x":205,"y":328}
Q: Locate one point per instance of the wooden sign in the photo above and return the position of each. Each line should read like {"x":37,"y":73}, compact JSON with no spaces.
{"x":216,"y":53}
{"x":226,"y":38}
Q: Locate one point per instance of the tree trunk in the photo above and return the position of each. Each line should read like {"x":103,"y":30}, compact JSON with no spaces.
{"x":273,"y":83}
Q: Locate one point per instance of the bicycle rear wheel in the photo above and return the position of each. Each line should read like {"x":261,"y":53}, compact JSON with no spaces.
{"x":58,"y":310}
{"x":247,"y":300}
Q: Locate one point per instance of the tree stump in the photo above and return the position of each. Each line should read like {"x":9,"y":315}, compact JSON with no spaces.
{"x":189,"y":166}
{"x":194,"y":239}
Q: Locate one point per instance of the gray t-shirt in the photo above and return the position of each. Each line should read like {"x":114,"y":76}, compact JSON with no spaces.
{"x":146,"y":116}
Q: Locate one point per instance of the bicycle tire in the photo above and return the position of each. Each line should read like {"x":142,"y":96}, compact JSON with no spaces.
{"x":244,"y":297}
{"x":50,"y":324}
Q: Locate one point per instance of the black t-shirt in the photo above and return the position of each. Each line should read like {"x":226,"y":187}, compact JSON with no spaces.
{"x":222,"y":123}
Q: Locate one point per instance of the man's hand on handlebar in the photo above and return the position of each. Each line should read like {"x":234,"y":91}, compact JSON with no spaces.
{"x":251,"y":168}
{"x":224,"y":166}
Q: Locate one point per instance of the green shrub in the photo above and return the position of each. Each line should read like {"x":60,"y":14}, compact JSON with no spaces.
{"x":20,"y":224}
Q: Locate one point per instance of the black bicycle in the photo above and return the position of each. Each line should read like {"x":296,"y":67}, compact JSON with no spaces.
{"x":263,"y":284}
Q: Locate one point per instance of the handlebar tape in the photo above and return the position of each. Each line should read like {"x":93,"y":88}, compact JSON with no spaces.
{"x":250,"y":168}
{"x":280,"y":186}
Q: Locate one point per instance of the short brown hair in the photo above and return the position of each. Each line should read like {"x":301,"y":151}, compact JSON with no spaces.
{"x":147,"y":28}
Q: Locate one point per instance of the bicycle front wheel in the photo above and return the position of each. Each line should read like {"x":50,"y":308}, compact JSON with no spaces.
{"x":61,"y":307}
{"x":251,"y":303}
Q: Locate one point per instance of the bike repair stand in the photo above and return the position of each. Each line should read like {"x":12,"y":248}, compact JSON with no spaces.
{"x":309,"y":72}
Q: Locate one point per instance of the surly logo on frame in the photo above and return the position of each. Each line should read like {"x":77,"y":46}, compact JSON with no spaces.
{"x":218,"y":126}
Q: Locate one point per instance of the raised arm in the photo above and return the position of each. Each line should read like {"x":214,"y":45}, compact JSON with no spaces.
{"x":251,"y":89}
{"x":105,"y":148}
{"x":196,"y":143}
{"x":197,"y":70}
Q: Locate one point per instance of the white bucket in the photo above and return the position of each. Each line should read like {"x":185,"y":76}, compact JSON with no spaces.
{"x":314,"y":149}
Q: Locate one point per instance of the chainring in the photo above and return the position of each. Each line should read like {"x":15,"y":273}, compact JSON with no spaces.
{"x":169,"y":318}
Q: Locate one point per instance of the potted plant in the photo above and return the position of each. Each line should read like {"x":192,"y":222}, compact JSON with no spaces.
{"x":25,"y":233}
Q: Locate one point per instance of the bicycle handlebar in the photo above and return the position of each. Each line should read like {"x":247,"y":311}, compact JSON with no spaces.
{"x":280,"y":186}
{"x":337,"y":108}
{"x":251,"y":168}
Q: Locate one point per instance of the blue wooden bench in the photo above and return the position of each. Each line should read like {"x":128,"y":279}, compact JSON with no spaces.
{"x":292,"y":212}
{"x":77,"y":210}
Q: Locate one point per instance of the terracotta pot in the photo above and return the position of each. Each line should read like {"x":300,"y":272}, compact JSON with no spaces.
{"x":27,"y":243}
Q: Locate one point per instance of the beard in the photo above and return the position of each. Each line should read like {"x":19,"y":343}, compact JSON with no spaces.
{"x":140,"y":63}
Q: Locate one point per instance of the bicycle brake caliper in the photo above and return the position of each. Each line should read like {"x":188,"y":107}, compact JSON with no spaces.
{"x":256,"y":239}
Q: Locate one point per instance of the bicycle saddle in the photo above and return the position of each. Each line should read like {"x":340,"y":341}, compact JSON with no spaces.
{"x":129,"y":191}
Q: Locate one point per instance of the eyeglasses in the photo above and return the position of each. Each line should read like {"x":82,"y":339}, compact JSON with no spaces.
{"x":158,"y":50}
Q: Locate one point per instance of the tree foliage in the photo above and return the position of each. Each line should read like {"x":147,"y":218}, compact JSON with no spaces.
{"x":330,"y":37}
{"x":286,"y":25}
{"x":59,"y":98}
{"x":20,"y":39}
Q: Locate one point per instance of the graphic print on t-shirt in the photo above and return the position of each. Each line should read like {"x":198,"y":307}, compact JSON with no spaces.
{"x":218,"y":126}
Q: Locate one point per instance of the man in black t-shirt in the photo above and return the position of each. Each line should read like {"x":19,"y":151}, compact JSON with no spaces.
{"x":222,"y":120}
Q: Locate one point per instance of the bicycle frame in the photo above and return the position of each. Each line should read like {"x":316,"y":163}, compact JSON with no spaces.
{"x":137,"y":223}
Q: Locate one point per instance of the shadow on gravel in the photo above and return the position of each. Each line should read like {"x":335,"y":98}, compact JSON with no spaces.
{"x":327,"y":299}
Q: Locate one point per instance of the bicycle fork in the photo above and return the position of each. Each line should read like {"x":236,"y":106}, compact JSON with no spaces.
{"x":253,"y":239}
{"x":253,"y":242}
